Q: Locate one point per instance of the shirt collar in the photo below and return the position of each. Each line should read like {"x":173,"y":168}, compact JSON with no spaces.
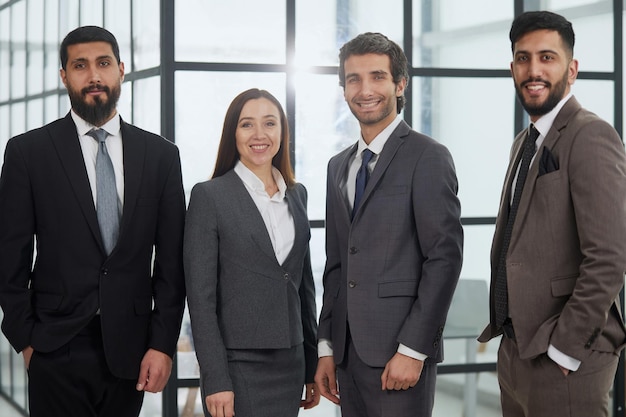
{"x":253,"y":182}
{"x":82,"y":126}
{"x":379,"y":141}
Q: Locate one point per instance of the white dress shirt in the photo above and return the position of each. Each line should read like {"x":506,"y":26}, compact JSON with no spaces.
{"x":89,"y":146}
{"x":274,"y":210}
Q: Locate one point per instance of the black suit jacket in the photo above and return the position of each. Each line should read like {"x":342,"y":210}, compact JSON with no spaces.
{"x":46,"y":202}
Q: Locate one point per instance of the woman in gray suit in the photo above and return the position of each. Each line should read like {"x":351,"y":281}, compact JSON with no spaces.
{"x":248,"y":271}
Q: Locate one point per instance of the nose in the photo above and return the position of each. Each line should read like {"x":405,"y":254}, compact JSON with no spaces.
{"x":259,"y":130}
{"x":366,"y":87}
{"x":534,"y":67}
{"x":94,"y":74}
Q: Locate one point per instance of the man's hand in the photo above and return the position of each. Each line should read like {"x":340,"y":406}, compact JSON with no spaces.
{"x":221,"y":404}
{"x":154,"y":372}
{"x":27,"y":352}
{"x":311,"y":398}
{"x":401,"y":372}
{"x":326,"y":378}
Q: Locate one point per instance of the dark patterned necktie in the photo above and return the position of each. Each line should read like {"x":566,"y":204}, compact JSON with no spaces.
{"x":107,"y":202}
{"x":361,"y":179}
{"x":500,"y":287}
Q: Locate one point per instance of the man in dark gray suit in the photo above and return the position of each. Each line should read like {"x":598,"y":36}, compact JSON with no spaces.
{"x":394,"y":256}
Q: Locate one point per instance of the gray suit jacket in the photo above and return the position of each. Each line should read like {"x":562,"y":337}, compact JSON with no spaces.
{"x":567,"y":255}
{"x":391,"y":272}
{"x":239,"y":296}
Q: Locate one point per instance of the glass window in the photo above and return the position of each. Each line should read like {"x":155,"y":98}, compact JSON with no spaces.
{"x":5,"y":54}
{"x":202,"y":99}
{"x":51,"y":109}
{"x":91,"y":12}
{"x":147,"y":37}
{"x":5,"y":129}
{"x":473,"y":117}
{"x":51,"y":46}
{"x":34,"y":113}
{"x":69,"y":19}
{"x":231,"y":31}
{"x":34,"y":46}
{"x":597,"y":96}
{"x":125,"y":105}
{"x":18,"y":119}
{"x":324,"y":127}
{"x":322,"y":27}
{"x":117,"y":17}
{"x":467,"y":38}
{"x":18,"y":52}
{"x":146,"y":112}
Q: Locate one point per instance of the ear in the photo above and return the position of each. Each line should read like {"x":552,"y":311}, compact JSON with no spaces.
{"x":121,"y":66}
{"x":572,"y":71}
{"x":63,"y":76}
{"x":400,"y":87}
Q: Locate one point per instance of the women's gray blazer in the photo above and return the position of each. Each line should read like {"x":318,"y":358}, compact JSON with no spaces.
{"x":239,"y":296}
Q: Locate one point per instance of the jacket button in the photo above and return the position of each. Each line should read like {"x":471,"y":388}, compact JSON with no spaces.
{"x":352,"y":284}
{"x":353,"y":250}
{"x":105,"y":271}
{"x":286,"y":276}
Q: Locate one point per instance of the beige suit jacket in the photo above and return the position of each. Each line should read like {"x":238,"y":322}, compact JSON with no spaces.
{"x":567,"y":255}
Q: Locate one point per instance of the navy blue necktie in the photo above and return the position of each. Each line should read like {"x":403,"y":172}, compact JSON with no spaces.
{"x":500,"y":286}
{"x":107,"y":201}
{"x":361,"y":179}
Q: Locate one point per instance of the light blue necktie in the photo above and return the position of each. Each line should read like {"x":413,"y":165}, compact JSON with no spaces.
{"x":361,"y":179}
{"x":107,"y":202}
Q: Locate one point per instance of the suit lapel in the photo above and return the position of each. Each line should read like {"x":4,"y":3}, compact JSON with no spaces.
{"x":384,"y":159}
{"x":134,"y":153}
{"x":554,"y":134}
{"x":300,"y":221}
{"x":341,"y":175}
{"x":66,"y":142}
{"x":252,"y":220}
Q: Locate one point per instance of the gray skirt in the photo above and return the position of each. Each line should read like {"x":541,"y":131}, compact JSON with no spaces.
{"x":267,"y":382}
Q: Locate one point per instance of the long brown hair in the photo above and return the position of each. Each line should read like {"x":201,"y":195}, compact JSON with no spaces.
{"x":227,"y":155}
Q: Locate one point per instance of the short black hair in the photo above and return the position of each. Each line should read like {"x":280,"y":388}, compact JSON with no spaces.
{"x":86,"y":34}
{"x":376,"y":43}
{"x":531,"y":21}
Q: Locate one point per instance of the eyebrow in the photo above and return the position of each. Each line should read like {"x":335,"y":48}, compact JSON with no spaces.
{"x":268,"y":116}
{"x":374,"y":72}
{"x":99,"y":58}
{"x":543,"y":51}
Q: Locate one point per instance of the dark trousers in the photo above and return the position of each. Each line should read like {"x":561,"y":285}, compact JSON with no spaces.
{"x":362,"y":396}
{"x":537,"y":387}
{"x":74,"y":381}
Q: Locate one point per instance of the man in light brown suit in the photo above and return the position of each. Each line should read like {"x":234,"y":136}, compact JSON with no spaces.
{"x":563,"y":255}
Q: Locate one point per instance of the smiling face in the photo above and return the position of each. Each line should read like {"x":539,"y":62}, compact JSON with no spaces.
{"x":543,"y":71}
{"x":371,"y":93}
{"x":258,"y":134}
{"x":93,"y":79}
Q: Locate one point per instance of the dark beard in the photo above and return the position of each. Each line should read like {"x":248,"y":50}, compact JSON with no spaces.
{"x":99,"y":112}
{"x":553,"y":99}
